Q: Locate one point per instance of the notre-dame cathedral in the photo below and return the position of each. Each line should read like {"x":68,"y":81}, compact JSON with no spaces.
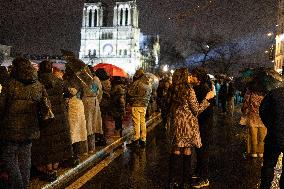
{"x":116,"y":43}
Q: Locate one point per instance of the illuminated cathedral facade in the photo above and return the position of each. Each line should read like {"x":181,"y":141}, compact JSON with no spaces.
{"x":117,"y":44}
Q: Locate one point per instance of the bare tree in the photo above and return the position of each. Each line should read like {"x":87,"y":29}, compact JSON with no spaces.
{"x":226,"y":57}
{"x":170,"y":55}
{"x":205,"y":46}
{"x":216,"y":53}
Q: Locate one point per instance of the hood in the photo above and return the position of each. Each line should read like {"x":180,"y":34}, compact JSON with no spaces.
{"x":24,"y":72}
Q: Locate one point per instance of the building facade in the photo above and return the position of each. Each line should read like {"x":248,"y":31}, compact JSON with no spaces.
{"x":279,"y":47}
{"x":117,"y":44}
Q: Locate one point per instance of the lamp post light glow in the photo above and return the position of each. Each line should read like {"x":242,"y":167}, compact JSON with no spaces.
{"x":269,"y":34}
{"x":166,"y":68}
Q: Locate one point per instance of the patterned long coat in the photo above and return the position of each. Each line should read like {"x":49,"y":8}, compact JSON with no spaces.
{"x":76,"y":114}
{"x":185,"y":129}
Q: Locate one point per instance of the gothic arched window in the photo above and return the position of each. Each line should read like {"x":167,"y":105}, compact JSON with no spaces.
{"x":96,"y":18}
{"x":126,"y":17}
{"x":121,"y":17}
{"x":90,"y":18}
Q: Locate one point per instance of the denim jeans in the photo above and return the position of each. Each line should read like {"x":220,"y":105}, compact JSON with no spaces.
{"x":17,"y":156}
{"x":270,"y":158}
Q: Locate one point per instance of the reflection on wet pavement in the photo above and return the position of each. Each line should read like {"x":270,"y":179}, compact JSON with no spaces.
{"x":230,"y":168}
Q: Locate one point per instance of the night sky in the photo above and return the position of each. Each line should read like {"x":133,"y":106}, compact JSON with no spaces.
{"x":46,"y":26}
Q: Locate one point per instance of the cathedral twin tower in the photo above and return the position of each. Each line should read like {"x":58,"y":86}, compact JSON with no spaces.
{"x":124,"y":14}
{"x":117,"y":44}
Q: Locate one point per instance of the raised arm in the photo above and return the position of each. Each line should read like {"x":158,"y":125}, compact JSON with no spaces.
{"x":196,"y":107}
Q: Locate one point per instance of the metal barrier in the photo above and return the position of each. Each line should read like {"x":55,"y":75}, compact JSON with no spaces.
{"x":66,"y":178}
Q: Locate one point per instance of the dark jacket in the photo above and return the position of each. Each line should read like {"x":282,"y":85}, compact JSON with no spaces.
{"x":105,"y":102}
{"x":54,"y":143}
{"x":205,"y":118}
{"x":223,"y":93}
{"x":140,"y":92}
{"x":231,"y":90}
{"x":118,"y":100}
{"x":272,"y":115}
{"x":22,"y":105}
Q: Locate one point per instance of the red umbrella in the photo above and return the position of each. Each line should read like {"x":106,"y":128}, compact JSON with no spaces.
{"x":112,"y":70}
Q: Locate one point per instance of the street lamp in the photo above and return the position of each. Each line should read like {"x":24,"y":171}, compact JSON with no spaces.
{"x":269,"y":34}
{"x":166,"y":68}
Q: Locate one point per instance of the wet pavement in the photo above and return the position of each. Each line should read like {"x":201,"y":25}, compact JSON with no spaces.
{"x":230,"y":168}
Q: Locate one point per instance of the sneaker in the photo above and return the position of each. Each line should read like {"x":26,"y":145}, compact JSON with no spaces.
{"x":254,"y":155}
{"x":48,"y":176}
{"x":133,"y":144}
{"x":201,"y":183}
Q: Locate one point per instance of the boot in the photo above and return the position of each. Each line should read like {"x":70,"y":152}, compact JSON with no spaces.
{"x":187,"y":171}
{"x":175,"y":171}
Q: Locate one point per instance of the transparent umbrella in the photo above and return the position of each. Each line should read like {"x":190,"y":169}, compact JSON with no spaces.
{"x":265,"y":80}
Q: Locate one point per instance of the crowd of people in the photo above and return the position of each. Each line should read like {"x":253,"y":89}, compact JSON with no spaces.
{"x":51,"y":118}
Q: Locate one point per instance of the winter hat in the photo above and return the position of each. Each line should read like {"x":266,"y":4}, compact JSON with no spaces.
{"x":139,"y":73}
{"x":23,"y":71}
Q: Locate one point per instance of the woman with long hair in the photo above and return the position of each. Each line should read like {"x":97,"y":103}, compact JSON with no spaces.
{"x":184,"y":131}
